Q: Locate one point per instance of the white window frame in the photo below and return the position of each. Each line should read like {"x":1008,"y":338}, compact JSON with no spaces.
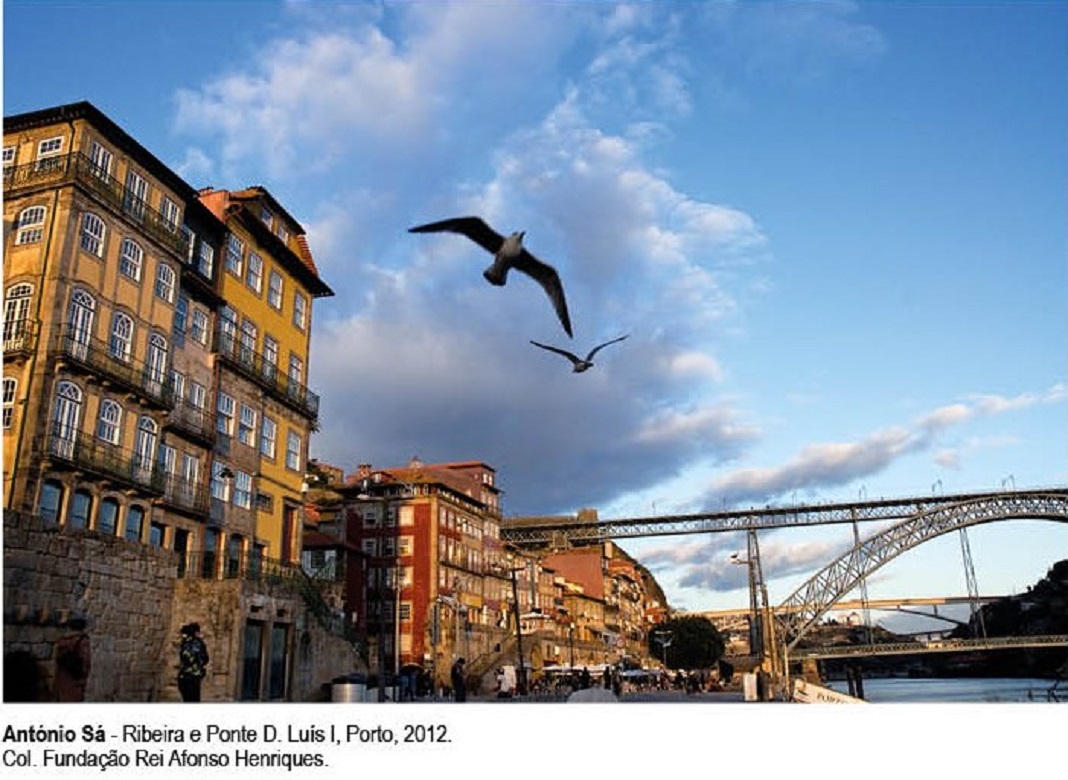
{"x":16,"y":310}
{"x":120,"y":343}
{"x":235,"y":254}
{"x":199,"y":326}
{"x":9,"y":156}
{"x":131,"y":259}
{"x":92,"y":234}
{"x":254,"y":272}
{"x":275,"y":289}
{"x":198,"y":396}
{"x":135,"y":196}
{"x":171,"y":213}
{"x":268,"y":437}
{"x":109,"y":421}
{"x":300,"y":311}
{"x":11,"y":385}
{"x":205,"y":259}
{"x":48,"y":149}
{"x":242,"y":490}
{"x":30,"y":225}
{"x":246,"y":426}
{"x":225,"y":409}
{"x":294,"y":448}
{"x":101,"y":159}
{"x":166,"y":281}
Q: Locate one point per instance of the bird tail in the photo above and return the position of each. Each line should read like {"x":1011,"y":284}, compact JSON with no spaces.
{"x":496,"y":274}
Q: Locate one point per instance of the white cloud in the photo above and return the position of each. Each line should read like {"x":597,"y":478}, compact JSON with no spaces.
{"x":837,"y":463}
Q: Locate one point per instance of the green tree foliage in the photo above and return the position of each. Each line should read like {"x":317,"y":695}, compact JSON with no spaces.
{"x":695,"y":643}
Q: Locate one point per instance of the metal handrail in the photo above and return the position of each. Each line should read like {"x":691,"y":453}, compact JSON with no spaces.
{"x":88,"y":452}
{"x":267,"y":374}
{"x":80,"y":168}
{"x":97,"y":356}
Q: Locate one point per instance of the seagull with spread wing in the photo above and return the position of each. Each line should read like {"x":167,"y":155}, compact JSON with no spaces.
{"x":579,"y":364}
{"x":508,"y":253}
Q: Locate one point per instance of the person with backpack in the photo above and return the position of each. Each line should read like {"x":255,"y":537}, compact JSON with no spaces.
{"x":73,"y":662}
{"x":192,"y":662}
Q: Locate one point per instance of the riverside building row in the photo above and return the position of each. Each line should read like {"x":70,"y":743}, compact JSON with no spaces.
{"x":427,"y":577}
{"x":156,"y":344}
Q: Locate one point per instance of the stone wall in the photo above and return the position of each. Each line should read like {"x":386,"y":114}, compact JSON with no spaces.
{"x":124,"y":589}
{"x":136,"y":605}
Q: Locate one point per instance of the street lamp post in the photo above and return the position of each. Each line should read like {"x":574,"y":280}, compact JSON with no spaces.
{"x":571,"y":642}
{"x":664,"y":638}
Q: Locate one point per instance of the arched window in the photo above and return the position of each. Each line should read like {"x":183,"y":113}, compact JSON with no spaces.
{"x":10,"y":390}
{"x":135,"y":521}
{"x":107,"y":518}
{"x":50,"y":501}
{"x":66,"y":417}
{"x":121,"y":342}
{"x":157,"y":362}
{"x":16,"y":312}
{"x":131,"y":257}
{"x":82,"y":311}
{"x":165,"y":282}
{"x":78,"y":513}
{"x":145,"y":449}
{"x":30,"y":225}
{"x":108,"y":424}
{"x":93,"y":231}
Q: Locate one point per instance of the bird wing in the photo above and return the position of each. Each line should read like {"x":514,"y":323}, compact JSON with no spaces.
{"x":573,"y":358}
{"x":474,"y":228}
{"x":549,"y":279}
{"x":599,"y":347}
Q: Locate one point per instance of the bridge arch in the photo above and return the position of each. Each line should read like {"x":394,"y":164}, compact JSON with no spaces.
{"x":827,"y":587}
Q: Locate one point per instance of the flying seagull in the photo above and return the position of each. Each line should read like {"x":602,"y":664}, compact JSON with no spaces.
{"x":580,"y":364}
{"x":507,"y":253}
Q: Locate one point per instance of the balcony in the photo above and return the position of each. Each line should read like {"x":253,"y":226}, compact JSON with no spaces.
{"x":96,"y":357}
{"x":192,"y":422}
{"x":180,"y":494}
{"x":76,"y":167}
{"x":20,"y":339}
{"x":88,"y":453}
{"x":252,"y":365}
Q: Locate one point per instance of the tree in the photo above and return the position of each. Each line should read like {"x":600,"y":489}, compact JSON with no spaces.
{"x":690,"y":642}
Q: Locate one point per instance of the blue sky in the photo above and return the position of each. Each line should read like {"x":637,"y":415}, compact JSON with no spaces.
{"x":834,"y":231}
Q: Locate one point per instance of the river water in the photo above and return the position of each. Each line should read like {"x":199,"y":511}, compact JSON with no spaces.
{"x":955,"y":690}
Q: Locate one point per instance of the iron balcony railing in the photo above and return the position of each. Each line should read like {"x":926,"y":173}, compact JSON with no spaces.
{"x":92,"y":454}
{"x":77,"y":167}
{"x":192,"y":420}
{"x":265,"y":373}
{"x":20,"y":338}
{"x":182,"y":494}
{"x":99,"y":357}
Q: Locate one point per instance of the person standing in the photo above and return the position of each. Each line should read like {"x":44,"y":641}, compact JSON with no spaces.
{"x":73,"y":662}
{"x":459,"y":684}
{"x":192,"y":662}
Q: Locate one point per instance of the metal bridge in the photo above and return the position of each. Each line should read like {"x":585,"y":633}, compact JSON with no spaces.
{"x":913,"y":521}
{"x":934,"y":646}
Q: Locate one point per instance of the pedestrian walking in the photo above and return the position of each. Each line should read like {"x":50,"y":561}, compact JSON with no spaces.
{"x":192,"y":662}
{"x":459,"y":684}
{"x":73,"y":662}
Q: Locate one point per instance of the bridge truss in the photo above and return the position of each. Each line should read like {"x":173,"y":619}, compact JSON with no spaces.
{"x":915,"y":520}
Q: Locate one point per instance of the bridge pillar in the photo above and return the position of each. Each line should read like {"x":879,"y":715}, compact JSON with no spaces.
{"x":810,"y":671}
